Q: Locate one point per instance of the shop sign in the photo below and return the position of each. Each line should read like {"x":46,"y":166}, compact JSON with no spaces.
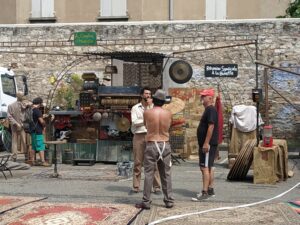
{"x":85,"y":38}
{"x":221,"y":70}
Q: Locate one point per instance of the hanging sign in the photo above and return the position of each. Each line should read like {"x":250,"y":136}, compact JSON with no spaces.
{"x":85,"y":38}
{"x":221,"y":70}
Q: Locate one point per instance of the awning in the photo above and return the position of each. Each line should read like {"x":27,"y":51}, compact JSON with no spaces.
{"x":137,"y":57}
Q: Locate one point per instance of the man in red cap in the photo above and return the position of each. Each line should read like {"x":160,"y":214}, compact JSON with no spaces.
{"x":207,"y":134}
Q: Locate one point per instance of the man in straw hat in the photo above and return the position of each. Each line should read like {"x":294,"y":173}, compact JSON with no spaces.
{"x":207,"y":134}
{"x":158,"y":150}
{"x":139,"y":144}
{"x":15,"y":115}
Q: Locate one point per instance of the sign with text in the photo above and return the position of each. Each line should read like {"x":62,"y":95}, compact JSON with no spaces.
{"x":85,"y":38}
{"x":221,"y":70}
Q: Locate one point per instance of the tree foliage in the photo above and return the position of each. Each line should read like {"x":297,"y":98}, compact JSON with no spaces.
{"x":68,"y":92}
{"x":293,"y":11}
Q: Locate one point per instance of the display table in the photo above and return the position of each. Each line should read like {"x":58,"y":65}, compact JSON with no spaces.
{"x":54,"y":143}
{"x":271,"y":163}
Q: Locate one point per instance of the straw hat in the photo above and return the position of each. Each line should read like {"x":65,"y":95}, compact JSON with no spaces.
{"x":123,"y":124}
{"x":176,"y":105}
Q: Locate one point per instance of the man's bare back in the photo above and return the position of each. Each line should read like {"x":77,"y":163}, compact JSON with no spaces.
{"x":157,"y":122}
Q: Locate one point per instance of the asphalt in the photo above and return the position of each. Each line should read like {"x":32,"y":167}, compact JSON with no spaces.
{"x":100,"y":184}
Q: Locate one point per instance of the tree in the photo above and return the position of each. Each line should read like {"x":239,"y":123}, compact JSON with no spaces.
{"x":68,"y":92}
{"x":293,"y":11}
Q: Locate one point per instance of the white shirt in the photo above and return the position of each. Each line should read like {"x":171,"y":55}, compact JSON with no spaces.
{"x":137,"y":119}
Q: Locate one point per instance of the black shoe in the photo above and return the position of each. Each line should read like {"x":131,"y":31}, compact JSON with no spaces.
{"x":169,"y":205}
{"x":133,"y":191}
{"x":211,"y":192}
{"x":142,"y":206}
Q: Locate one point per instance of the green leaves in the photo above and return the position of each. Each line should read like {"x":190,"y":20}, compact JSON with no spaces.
{"x":293,"y":11}
{"x":68,"y":92}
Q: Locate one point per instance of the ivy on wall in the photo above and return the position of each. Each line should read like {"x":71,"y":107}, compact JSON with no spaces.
{"x":293,"y":11}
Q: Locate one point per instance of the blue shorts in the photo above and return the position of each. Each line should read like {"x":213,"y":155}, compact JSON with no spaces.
{"x":37,"y":142}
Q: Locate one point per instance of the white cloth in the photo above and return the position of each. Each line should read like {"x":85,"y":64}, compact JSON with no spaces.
{"x":137,"y":118}
{"x":243,"y":118}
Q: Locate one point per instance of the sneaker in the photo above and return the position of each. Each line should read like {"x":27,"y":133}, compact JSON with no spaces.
{"x":45,"y":164}
{"x":29,"y":162}
{"x":204,"y":196}
{"x":211,"y":192}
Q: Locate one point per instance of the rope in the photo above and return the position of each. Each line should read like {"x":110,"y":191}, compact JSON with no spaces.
{"x":222,"y":208}
{"x":41,"y":199}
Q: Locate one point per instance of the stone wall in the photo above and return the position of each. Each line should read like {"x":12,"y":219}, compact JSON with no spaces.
{"x":50,"y":51}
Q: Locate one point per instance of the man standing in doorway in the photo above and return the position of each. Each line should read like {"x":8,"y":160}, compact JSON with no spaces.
{"x":139,"y":143}
{"x":207,"y":134}
{"x":158,"y":150}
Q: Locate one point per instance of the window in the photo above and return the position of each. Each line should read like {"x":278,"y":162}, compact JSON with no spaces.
{"x":215,"y":9}
{"x":42,"y":9}
{"x":113,"y":8}
{"x":8,"y":85}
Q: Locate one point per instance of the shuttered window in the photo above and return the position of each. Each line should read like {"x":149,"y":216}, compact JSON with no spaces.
{"x":113,"y":8}
{"x":215,"y":9}
{"x":42,"y":8}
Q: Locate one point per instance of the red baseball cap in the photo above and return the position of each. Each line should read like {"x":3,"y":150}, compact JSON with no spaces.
{"x":207,"y":92}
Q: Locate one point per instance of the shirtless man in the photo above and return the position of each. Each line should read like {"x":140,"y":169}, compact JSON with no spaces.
{"x":139,"y":140}
{"x":158,"y":150}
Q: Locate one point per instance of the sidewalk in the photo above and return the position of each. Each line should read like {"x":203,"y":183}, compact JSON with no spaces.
{"x":99,"y":184}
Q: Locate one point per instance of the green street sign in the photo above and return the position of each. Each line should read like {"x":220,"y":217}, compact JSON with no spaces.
{"x":85,"y":38}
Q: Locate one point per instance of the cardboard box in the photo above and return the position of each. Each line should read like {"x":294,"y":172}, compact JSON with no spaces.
{"x":264,"y":163}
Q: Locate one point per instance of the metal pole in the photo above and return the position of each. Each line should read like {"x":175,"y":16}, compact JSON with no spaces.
{"x":266,"y":95}
{"x":277,"y":68}
{"x":171,"y":10}
{"x":55,"y":162}
{"x":257,"y":103}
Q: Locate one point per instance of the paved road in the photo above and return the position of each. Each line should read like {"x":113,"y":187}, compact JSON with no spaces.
{"x":99,"y":183}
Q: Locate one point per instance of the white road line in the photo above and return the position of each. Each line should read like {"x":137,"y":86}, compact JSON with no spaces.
{"x":222,"y":208}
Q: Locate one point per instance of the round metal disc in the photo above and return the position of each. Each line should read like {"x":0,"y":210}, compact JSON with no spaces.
{"x":180,"y":72}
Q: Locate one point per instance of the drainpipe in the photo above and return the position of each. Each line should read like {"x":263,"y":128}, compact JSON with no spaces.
{"x":171,"y":11}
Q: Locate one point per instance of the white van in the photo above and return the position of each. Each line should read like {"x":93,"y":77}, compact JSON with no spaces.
{"x":8,"y":89}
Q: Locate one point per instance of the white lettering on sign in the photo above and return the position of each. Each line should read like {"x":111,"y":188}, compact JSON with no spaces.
{"x":221,"y":70}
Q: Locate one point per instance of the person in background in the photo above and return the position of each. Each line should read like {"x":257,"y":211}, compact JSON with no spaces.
{"x":139,"y":143}
{"x":207,"y":134}
{"x":15,"y":115}
{"x":106,"y":80}
{"x":158,"y":150}
{"x":37,"y":136}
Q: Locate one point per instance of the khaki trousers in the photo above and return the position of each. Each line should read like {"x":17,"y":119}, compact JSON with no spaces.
{"x":139,"y":145}
{"x":19,"y":143}
{"x":164,"y":167}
